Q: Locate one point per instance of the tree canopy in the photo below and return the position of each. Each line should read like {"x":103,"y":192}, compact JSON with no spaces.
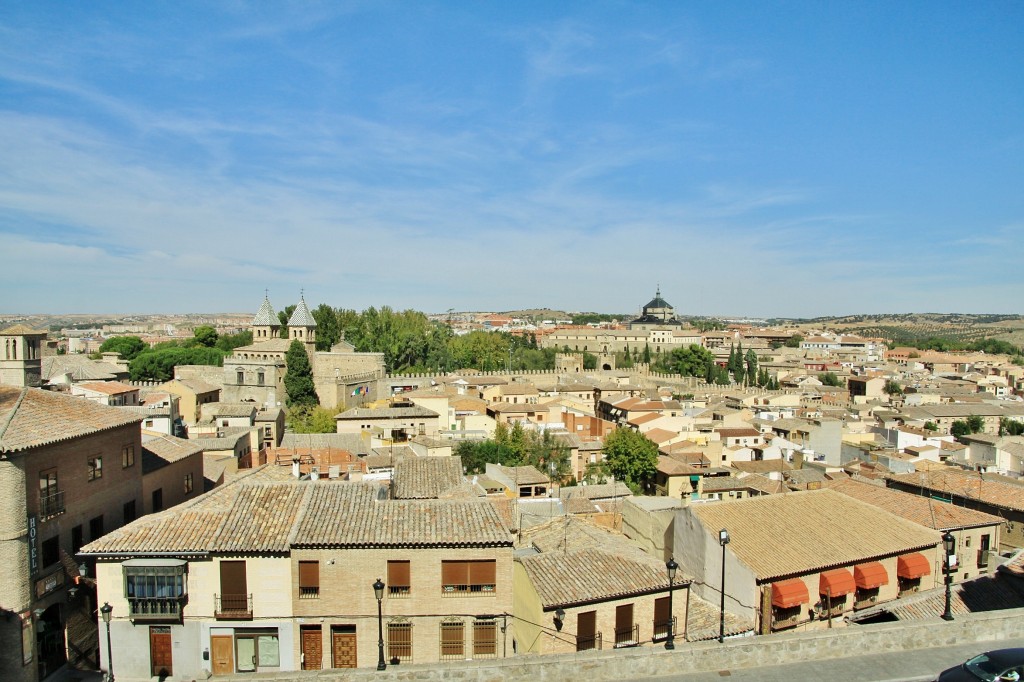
{"x":128,"y":346}
{"x":630,"y":457}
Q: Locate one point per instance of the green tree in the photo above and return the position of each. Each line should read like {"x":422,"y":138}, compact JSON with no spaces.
{"x":794,"y":341}
{"x":229,"y":342}
{"x":891,"y":387}
{"x":298,"y":379}
{"x":205,"y":336}
{"x":328,"y":326}
{"x":751,"y":360}
{"x":1010,"y":427}
{"x":284,"y":316}
{"x":158,"y":363}
{"x":976,"y":423}
{"x":630,"y":457}
{"x":312,"y":419}
{"x":128,"y":346}
{"x":931,"y":426}
{"x":589,"y":360}
{"x":647,"y":354}
{"x":691,"y":361}
{"x":959,"y":429}
{"x":830,"y":379}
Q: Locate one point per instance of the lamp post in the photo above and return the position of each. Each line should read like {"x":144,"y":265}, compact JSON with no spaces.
{"x":949,"y":545}
{"x":105,"y":612}
{"x":723,"y":540}
{"x":378,"y":591}
{"x":671,"y":566}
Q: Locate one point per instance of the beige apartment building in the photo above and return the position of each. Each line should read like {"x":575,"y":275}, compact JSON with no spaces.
{"x":270,"y":573}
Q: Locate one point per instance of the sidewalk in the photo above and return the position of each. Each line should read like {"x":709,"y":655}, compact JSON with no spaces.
{"x":918,"y":665}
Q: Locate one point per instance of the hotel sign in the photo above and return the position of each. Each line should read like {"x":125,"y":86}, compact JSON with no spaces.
{"x":33,"y":551}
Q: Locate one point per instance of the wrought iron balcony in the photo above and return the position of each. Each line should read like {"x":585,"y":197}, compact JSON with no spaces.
{"x":589,"y":643}
{"x":52,"y":504}
{"x":663,"y":628}
{"x":629,"y":636}
{"x":233,"y":606}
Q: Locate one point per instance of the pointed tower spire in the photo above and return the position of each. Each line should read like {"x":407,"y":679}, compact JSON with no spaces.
{"x":301,"y":324}
{"x":265,"y":325}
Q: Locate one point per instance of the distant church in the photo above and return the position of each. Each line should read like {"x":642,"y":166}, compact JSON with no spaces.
{"x":255,"y":373}
{"x":657,"y":315}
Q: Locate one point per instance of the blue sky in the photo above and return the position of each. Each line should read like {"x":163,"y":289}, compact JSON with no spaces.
{"x":762,"y":159}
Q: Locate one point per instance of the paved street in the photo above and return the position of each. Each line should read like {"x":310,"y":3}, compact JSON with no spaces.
{"x":919,"y":665}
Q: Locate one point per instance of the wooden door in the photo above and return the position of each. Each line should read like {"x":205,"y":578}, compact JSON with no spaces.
{"x":312,"y":647}
{"x":160,"y":652}
{"x":586,"y":631}
{"x":234,"y":593}
{"x":344,"y":649}
{"x":222,"y":652}
{"x":662,"y":617}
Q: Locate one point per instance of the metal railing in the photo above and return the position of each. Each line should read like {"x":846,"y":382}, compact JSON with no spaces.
{"x":629,"y":636}
{"x":662,"y":629}
{"x":589,"y":643}
{"x":52,"y":504}
{"x":233,"y":606}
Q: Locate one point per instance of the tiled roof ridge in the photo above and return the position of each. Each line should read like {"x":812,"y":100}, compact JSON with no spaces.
{"x":10,"y":415}
{"x":299,"y":517}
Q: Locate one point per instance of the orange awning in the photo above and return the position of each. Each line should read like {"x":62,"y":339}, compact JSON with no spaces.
{"x":870,"y":575}
{"x":789,"y":593}
{"x":913,"y":566}
{"x":837,"y":582}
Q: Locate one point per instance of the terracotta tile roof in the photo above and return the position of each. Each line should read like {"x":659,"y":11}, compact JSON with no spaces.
{"x":261,"y":518}
{"x":387,"y":413}
{"x":644,"y":418}
{"x":738,"y":433}
{"x":353,"y":515}
{"x":763,"y":466}
{"x":524,"y":475}
{"x":779,"y":535}
{"x":22,"y":330}
{"x":673,"y":467}
{"x":255,"y":513}
{"x":31,"y":417}
{"x":426,"y":477}
{"x":80,"y":367}
{"x":159,"y":451}
{"x":107,"y":387}
{"x":590,"y":575}
{"x":922,"y":510}
{"x":660,"y":435}
{"x":596,"y":492}
{"x":950,"y":481}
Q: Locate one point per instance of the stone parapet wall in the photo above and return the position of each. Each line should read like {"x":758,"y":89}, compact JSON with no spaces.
{"x":747,"y":652}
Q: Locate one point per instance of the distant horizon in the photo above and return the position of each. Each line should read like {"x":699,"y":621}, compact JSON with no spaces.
{"x":810,"y":157}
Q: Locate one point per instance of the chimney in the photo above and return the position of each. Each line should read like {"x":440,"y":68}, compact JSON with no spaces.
{"x":295,"y":467}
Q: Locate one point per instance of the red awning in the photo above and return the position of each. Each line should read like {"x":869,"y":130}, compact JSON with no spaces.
{"x":789,"y":593}
{"x":837,"y":582}
{"x":913,"y":566}
{"x":870,"y":575}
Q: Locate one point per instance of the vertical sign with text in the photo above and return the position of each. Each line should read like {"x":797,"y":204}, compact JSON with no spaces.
{"x":33,"y":553}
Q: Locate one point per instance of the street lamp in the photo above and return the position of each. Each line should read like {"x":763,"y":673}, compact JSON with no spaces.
{"x":378,"y":591}
{"x":105,"y":612}
{"x":949,"y":545}
{"x":671,"y":566}
{"x":723,"y":540}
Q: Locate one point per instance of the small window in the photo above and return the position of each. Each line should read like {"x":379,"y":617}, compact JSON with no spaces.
{"x":259,"y":378}
{"x":77,"y":539}
{"x":189,"y":483}
{"x":96,"y":527}
{"x":95,"y":468}
{"x":240,"y":378}
{"x":485,"y":638}
{"x":399,"y":583}
{"x":400,"y":641}
{"x":50,"y":551}
{"x":453,"y":640}
{"x":309,"y":579}
{"x":127,"y":456}
{"x":129,"y":511}
{"x":461,"y":577}
{"x":149,"y":423}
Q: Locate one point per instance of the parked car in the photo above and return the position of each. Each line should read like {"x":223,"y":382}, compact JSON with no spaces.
{"x":1000,"y":665}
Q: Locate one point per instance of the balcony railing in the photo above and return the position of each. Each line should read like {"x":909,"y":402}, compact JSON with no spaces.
{"x":155,"y":608}
{"x":52,"y":504}
{"x":629,"y":636}
{"x":589,"y":643}
{"x":663,"y":628}
{"x":233,"y":606}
